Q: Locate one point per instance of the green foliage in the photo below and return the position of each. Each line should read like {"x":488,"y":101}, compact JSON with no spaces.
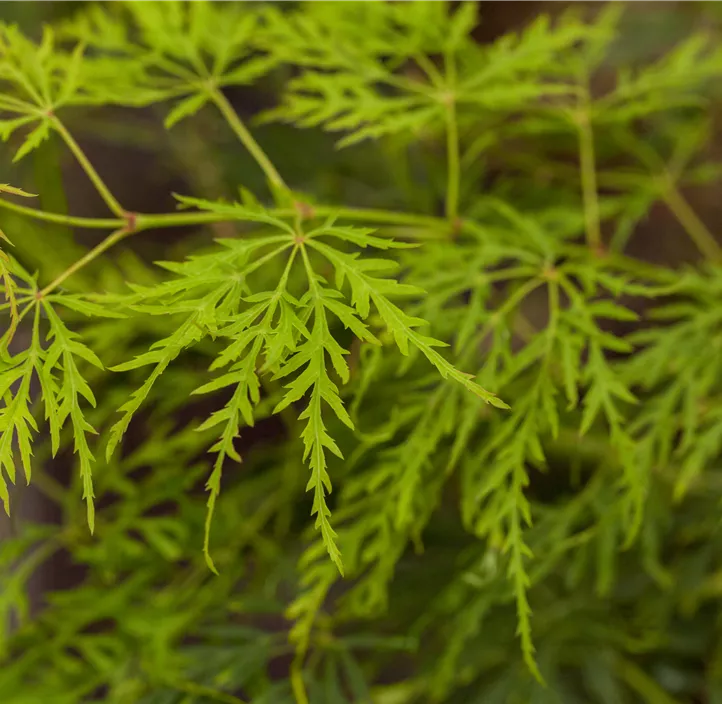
{"x":518,"y":415}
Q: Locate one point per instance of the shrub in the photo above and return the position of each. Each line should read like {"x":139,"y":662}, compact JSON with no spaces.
{"x":444,"y":323}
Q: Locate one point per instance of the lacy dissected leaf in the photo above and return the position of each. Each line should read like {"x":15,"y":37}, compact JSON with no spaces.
{"x":608,"y":394}
{"x":354,"y":85}
{"x":677,"y":79}
{"x":679,"y":370}
{"x":570,"y":358}
{"x":161,"y":355}
{"x":238,"y":411}
{"x":310,"y":356}
{"x":12,"y":278}
{"x":36,"y":80}
{"x":367,"y":289}
{"x":17,"y":285}
{"x":62,"y":385}
{"x":516,"y":69}
{"x":495,"y":505}
{"x":372,"y":89}
{"x":207,"y":291}
{"x":215,"y":290}
{"x":9,"y":289}
{"x":373,"y":538}
{"x":63,"y":396}
{"x":16,"y":420}
{"x":210,"y":291}
{"x":252,"y":333}
{"x":362,"y":36}
{"x":171,"y":50}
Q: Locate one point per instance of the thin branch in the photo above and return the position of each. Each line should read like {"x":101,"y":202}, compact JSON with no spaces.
{"x":671,"y":195}
{"x":296,"y":676}
{"x":70,"y":220}
{"x":452,"y":151}
{"x":453,"y":177}
{"x":148,"y":221}
{"x":246,"y":138}
{"x":106,"y":244}
{"x":694,"y":227}
{"x":93,"y":175}
{"x":382,"y":217}
{"x":588,"y":168}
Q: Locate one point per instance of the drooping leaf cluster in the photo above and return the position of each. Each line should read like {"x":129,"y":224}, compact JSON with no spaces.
{"x":442,"y":344}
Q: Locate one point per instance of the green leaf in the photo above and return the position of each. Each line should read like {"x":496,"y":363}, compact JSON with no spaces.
{"x":33,"y":140}
{"x":366,"y":289}
{"x":5,"y":188}
{"x":162,"y":354}
{"x":312,"y":354}
{"x":61,"y":357}
{"x":240,"y":408}
{"x":164,"y":51}
{"x":185,"y":108}
{"x":83,"y":304}
{"x":16,"y":420}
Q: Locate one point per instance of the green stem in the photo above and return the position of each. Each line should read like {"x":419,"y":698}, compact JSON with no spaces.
{"x":675,"y":201}
{"x":429,"y":68}
{"x":588,"y":168}
{"x":106,"y":244}
{"x":92,"y":174}
{"x":144,"y":221}
{"x":147,"y":221}
{"x":297,"y":683}
{"x":454,"y":171}
{"x":512,"y":301}
{"x":452,"y":142}
{"x":71,"y":220}
{"x":634,"y":266}
{"x":523,"y":327}
{"x":383,"y":217}
{"x":695,"y":228}
{"x":246,"y":138}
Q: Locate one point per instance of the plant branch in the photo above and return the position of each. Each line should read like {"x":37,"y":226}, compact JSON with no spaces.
{"x":588,"y":168}
{"x":695,"y":228}
{"x":671,"y":195}
{"x":145,"y":221}
{"x":297,"y":683}
{"x":148,"y":221}
{"x":92,"y":174}
{"x":452,"y":150}
{"x":382,"y":217}
{"x":70,"y":220}
{"x":246,"y":138}
{"x":452,"y":142}
{"x":106,"y":244}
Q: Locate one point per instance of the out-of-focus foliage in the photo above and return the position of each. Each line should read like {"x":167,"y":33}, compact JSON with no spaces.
{"x":509,"y":428}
